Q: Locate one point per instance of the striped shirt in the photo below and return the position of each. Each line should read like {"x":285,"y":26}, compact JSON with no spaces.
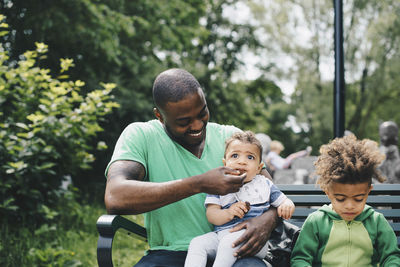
{"x":260,"y":192}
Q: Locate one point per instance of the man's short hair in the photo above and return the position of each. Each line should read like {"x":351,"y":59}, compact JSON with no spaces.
{"x":173,"y":85}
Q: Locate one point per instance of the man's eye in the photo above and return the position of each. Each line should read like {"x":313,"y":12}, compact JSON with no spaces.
{"x":359,"y":200}
{"x":203,"y":114}
{"x":183,"y":123}
{"x":340,"y":199}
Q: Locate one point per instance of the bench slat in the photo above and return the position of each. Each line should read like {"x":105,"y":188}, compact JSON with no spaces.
{"x":395,"y":226}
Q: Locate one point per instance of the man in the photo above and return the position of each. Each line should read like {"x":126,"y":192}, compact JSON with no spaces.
{"x":163,"y":168}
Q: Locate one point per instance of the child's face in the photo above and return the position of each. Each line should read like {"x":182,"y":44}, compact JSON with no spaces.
{"x":348,"y":200}
{"x":243,"y":157}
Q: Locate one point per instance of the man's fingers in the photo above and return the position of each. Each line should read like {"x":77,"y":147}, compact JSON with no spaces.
{"x":238,"y":227}
{"x":242,"y":238}
{"x":231,"y":171}
{"x":250,"y":248}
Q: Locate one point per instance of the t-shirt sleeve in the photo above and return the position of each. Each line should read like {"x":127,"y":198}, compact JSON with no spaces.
{"x":277,"y":197}
{"x":131,"y":145}
{"x":212,"y":199}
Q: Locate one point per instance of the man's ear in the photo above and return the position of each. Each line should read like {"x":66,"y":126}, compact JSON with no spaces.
{"x":158,"y":115}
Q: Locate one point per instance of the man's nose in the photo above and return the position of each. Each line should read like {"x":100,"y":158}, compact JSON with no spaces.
{"x":197,"y":125}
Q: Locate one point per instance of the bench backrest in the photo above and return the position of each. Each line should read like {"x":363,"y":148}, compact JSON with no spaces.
{"x":384,"y":198}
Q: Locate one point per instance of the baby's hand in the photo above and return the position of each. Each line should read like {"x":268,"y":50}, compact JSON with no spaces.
{"x":286,"y":209}
{"x":238,"y":209}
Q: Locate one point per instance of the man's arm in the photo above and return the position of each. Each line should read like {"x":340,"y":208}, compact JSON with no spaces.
{"x":127,"y":193}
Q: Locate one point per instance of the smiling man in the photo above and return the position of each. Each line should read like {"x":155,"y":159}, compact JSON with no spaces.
{"x":164,"y":167}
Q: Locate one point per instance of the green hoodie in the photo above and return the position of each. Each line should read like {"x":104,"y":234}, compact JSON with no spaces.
{"x":328,"y":240}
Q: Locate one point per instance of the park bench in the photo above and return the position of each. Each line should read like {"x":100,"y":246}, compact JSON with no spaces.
{"x":385,"y":198}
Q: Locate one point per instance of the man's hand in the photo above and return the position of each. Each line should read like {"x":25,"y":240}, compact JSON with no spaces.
{"x":286,"y":209}
{"x":220,"y":181}
{"x":258,"y":231}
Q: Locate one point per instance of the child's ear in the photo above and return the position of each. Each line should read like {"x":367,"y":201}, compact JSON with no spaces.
{"x":260,"y":166}
{"x":370,"y":188}
{"x":224,"y":161}
{"x":327,"y":193}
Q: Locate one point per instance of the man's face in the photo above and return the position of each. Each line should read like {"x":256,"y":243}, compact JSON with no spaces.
{"x":243,"y":157}
{"x":348,"y":200}
{"x":185,"y":121}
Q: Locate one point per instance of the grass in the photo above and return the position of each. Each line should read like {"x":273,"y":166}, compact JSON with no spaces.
{"x":70,"y":239}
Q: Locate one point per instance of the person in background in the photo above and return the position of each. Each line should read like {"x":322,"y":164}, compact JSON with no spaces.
{"x":265,"y":141}
{"x":276,"y":162}
{"x":242,"y":153}
{"x":347,"y":232}
{"x":164,"y":167}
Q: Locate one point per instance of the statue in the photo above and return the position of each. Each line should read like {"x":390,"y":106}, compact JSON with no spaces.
{"x":390,"y":167}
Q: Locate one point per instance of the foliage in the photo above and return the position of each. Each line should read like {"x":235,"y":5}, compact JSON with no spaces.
{"x":129,"y":43}
{"x":46,"y":128}
{"x":302,"y":32}
{"x":67,"y":240}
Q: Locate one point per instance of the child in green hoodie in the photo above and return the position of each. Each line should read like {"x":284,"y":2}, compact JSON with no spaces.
{"x":347,"y":232}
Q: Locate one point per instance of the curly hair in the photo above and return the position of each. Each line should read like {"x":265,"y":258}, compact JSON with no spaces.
{"x":348,"y":160}
{"x":246,"y":137}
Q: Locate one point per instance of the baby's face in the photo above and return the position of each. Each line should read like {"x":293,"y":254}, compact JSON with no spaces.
{"x":243,"y":157}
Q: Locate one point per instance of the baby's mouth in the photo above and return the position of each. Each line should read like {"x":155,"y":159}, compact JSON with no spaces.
{"x":241,"y":171}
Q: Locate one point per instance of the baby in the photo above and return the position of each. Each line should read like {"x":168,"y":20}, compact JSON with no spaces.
{"x":243,"y":153}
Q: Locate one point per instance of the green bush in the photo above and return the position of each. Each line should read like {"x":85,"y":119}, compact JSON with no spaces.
{"x":46,"y":130}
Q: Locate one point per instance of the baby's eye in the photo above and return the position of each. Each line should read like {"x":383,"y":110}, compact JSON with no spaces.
{"x":235,"y":156}
{"x":340,"y":199}
{"x":250,"y":157}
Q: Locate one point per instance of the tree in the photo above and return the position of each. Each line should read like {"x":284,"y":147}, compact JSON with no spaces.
{"x":129,"y":43}
{"x":45,"y":131}
{"x":303,"y":32}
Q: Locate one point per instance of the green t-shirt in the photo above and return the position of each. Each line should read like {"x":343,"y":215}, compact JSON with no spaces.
{"x":172,"y":227}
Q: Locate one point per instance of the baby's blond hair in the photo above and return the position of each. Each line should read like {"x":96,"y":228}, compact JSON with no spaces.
{"x":276,"y":146}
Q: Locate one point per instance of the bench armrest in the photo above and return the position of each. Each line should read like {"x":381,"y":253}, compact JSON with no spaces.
{"x":107,"y":226}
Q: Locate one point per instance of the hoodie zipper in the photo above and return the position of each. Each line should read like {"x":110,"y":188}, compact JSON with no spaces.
{"x":349,"y":236}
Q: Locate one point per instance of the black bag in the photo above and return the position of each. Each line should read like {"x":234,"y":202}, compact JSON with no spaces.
{"x":281,"y":243}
